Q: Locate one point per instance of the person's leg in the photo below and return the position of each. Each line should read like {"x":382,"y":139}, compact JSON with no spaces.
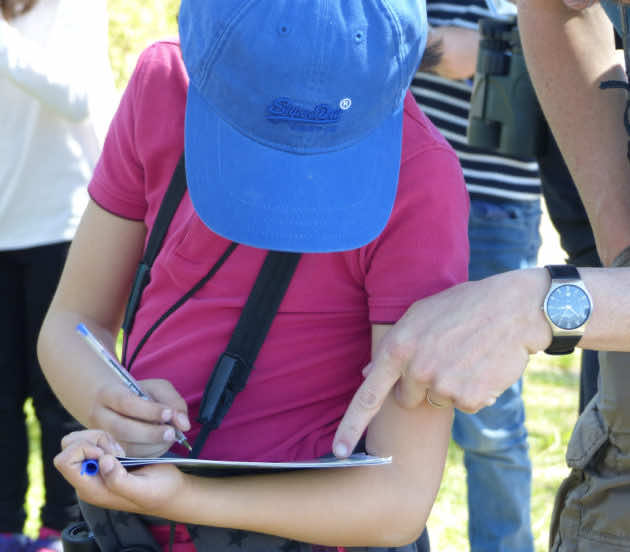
{"x":13,"y":440}
{"x":498,"y":473}
{"x":503,"y":236}
{"x":43,"y":268}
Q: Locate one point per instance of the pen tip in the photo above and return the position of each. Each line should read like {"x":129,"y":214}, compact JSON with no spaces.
{"x":187,"y":445}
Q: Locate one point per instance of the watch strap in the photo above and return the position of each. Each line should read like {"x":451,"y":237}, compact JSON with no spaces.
{"x":563,"y":344}
{"x":562,"y":272}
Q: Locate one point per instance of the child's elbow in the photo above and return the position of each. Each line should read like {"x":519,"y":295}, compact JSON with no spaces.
{"x":402,"y":533}
{"x":404,"y":521}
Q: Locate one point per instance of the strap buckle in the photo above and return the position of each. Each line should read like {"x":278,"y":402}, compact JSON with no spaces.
{"x":226,"y":381}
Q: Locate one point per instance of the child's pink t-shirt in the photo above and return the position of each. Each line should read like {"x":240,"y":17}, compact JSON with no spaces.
{"x":310,"y":364}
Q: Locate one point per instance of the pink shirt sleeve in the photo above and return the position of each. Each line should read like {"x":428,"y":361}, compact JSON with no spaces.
{"x":146,"y":136}
{"x":424,"y":247}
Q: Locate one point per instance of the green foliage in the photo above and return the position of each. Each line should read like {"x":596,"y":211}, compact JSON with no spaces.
{"x":133,"y":25}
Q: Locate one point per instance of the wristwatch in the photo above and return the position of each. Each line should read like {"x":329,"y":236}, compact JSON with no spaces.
{"x":567,"y":307}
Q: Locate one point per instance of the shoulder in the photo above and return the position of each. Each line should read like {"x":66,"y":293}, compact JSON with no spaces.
{"x":161,"y":63}
{"x":431,"y":177}
{"x":420,"y":136}
{"x":146,"y":136}
{"x":157,"y":92}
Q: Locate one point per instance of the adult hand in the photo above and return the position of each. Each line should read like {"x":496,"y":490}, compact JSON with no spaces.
{"x":465,"y":346}
{"x":145,"y":428}
{"x":458,"y":47}
{"x":146,"y":490}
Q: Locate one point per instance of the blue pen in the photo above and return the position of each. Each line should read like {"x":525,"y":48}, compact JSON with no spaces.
{"x":122,"y":373}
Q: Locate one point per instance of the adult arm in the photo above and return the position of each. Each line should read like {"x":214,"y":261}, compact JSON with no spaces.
{"x":586,"y":121}
{"x":469,"y":343}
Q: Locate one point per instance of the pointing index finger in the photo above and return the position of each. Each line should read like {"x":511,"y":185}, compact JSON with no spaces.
{"x":382,"y":375}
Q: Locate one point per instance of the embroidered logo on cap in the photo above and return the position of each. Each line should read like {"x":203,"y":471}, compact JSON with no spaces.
{"x":284,"y":109}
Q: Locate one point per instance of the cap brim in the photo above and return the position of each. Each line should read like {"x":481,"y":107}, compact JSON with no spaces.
{"x":253,"y":194}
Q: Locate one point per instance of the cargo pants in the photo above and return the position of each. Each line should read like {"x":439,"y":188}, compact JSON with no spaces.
{"x":592,"y":508}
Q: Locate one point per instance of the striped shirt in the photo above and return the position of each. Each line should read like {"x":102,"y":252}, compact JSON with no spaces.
{"x":447,"y":103}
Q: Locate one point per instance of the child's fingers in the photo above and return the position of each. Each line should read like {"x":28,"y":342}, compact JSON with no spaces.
{"x":96,"y":437}
{"x":137,"y":432}
{"x":122,"y":483}
{"x":165,"y":393}
{"x":70,"y":459}
{"x":93,"y":487}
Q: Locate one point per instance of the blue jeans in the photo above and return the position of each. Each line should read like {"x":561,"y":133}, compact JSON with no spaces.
{"x":612,"y":9}
{"x":503,"y":236}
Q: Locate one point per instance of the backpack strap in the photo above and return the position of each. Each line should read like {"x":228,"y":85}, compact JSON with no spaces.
{"x":236,"y":363}
{"x":170,"y":202}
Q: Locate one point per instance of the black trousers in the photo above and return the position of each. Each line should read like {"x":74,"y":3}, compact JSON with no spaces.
{"x":28,"y":279}
{"x":568,"y":216}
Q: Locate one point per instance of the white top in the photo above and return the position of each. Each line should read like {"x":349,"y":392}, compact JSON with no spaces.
{"x":57,"y":96}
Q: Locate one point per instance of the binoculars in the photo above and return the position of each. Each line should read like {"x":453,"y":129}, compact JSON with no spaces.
{"x":505,"y":116}
{"x":77,"y":537}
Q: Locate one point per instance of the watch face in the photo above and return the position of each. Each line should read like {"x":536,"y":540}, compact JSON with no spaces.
{"x":568,"y":307}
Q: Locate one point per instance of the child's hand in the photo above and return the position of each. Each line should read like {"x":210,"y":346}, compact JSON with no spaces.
{"x":144,"y":428}
{"x":148,"y":490}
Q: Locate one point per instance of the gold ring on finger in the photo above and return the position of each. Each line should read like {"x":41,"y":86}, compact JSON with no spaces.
{"x":433,"y":403}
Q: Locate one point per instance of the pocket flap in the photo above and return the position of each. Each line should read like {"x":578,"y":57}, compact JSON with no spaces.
{"x":588,"y":436}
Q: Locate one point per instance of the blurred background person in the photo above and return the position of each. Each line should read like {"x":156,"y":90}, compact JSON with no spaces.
{"x":504,"y":235}
{"x":56,"y":98}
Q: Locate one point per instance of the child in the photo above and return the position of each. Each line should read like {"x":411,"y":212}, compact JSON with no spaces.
{"x":292,"y":124}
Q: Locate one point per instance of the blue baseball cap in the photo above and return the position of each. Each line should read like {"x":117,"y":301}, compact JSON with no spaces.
{"x":294,"y":116}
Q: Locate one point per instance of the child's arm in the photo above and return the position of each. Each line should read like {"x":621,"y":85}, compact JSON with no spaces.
{"x":376,"y":506}
{"x":93,"y":289}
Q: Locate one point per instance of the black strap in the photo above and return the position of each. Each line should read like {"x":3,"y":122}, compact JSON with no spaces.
{"x":196,"y":287}
{"x":563,"y":344}
{"x":563,"y":272}
{"x":170,"y":202}
{"x":625,"y":37}
{"x":236,"y":363}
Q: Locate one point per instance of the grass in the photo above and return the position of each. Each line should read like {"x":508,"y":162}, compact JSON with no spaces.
{"x":550,"y":391}
{"x":550,"y":383}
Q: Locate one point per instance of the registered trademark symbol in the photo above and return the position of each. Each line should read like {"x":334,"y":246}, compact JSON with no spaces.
{"x":345,"y":104}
